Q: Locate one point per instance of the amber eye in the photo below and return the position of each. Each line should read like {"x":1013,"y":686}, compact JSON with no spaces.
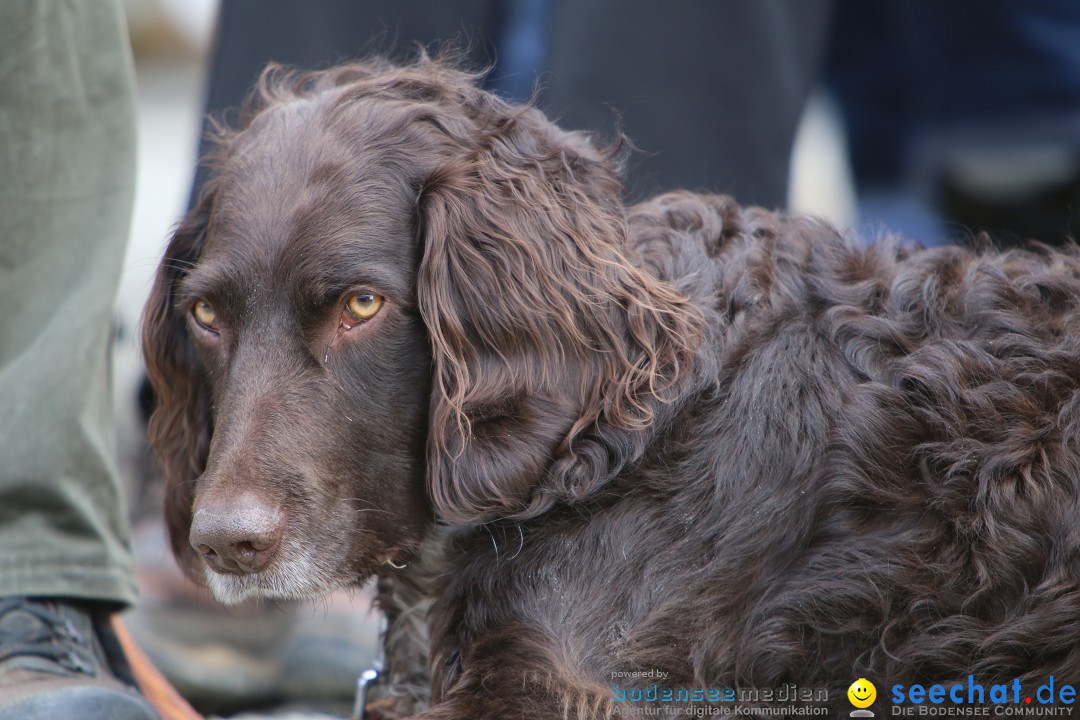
{"x":361,"y":307}
{"x":205,"y":315}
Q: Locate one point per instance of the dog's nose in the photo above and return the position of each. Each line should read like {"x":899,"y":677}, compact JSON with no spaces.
{"x":237,"y":536}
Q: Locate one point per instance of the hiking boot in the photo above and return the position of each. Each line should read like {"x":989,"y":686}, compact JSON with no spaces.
{"x":60,"y":659}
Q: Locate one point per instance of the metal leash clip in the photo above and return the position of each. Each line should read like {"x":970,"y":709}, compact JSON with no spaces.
{"x":370,"y":677}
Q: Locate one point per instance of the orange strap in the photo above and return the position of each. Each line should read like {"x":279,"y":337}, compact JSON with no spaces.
{"x":155,"y":688}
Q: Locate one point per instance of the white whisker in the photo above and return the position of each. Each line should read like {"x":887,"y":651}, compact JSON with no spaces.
{"x":521,"y":545}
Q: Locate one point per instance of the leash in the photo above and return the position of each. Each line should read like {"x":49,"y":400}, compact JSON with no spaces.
{"x":155,"y":688}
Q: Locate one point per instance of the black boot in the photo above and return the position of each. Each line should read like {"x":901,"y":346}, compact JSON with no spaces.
{"x":60,"y":659}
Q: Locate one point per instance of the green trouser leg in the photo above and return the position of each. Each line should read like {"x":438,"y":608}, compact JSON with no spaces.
{"x":67,"y":169}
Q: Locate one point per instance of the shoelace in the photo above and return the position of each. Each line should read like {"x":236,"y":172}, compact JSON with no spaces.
{"x":54,"y":638}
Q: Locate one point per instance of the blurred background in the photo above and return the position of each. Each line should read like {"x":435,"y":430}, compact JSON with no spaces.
{"x":936,"y":121}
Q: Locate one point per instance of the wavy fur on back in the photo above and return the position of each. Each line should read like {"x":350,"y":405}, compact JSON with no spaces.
{"x":684,"y":436}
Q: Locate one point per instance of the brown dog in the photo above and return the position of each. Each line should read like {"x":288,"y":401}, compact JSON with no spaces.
{"x":723,"y":446}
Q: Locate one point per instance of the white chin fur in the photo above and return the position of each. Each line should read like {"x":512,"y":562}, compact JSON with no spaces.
{"x":291,"y":576}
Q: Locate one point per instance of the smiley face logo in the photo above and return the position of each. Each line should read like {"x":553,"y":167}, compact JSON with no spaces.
{"x":862,"y":693}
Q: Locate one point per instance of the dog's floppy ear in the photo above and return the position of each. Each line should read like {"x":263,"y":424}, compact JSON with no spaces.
{"x":552,"y":351}
{"x":181,"y":424}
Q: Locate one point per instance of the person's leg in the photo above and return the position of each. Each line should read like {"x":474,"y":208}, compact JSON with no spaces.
{"x":711,"y":92}
{"x":66,"y":186}
{"x":67,"y":168}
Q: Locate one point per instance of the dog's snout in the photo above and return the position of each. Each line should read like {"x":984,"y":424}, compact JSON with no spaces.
{"x":237,"y":536}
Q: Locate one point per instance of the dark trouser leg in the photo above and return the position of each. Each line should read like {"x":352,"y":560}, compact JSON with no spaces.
{"x":711,"y":92}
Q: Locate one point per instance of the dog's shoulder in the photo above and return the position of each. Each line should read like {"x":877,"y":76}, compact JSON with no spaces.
{"x":710,"y":247}
{"x":675,"y":233}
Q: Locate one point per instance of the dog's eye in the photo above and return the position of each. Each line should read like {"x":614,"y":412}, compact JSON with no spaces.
{"x":361,"y":307}
{"x":205,"y":315}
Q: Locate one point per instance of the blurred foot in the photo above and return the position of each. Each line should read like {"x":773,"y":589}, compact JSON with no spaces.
{"x":61,"y":660}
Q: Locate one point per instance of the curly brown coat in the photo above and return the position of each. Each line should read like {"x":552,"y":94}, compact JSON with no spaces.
{"x":720,"y":443}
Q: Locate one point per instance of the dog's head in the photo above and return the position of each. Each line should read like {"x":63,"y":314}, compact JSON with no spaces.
{"x":399,"y":298}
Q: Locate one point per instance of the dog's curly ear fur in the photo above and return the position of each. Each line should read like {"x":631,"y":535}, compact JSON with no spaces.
{"x":181,"y":424}
{"x":547,"y":341}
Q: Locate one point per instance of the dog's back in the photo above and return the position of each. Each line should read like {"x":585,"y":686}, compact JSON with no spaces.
{"x":894,"y":450}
